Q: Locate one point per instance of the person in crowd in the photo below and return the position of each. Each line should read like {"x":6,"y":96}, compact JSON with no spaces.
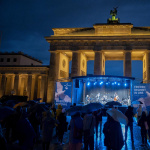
{"x":48,"y":123}
{"x":35,"y":122}
{"x":53,"y":110}
{"x":25,"y":133}
{"x":3,"y":142}
{"x":148,"y":122}
{"x":144,"y":128}
{"x":139,"y":112}
{"x":96,"y":123}
{"x":100,"y":115}
{"x":88,"y":129}
{"x":98,"y":118}
{"x":129,"y":114}
{"x":113,"y":134}
{"x":61,"y":126}
{"x":58,"y":112}
{"x":76,"y":122}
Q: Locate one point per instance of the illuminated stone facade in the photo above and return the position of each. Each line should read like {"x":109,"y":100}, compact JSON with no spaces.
{"x":100,"y":43}
{"x":25,"y":76}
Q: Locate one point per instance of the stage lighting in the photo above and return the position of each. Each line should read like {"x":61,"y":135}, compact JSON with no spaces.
{"x":115,"y":82}
{"x":88,"y":83}
{"x":95,"y":83}
{"x":112,"y":83}
{"x":101,"y":82}
{"x":118,"y":83}
{"x":125,"y":84}
{"x":107,"y":83}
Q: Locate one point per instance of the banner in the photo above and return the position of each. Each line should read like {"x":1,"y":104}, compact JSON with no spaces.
{"x":63,"y":94}
{"x":141,"y":94}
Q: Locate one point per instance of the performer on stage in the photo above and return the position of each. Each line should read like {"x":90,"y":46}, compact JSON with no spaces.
{"x":98,"y":97}
{"x":116,"y":97}
{"x":87,"y":99}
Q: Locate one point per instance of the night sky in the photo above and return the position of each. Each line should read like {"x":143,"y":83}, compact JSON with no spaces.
{"x":25,"y":23}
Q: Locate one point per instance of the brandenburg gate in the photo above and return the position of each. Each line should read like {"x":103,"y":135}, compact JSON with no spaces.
{"x":102,"y":42}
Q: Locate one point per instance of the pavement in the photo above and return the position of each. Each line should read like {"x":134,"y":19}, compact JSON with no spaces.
{"x":99,"y":142}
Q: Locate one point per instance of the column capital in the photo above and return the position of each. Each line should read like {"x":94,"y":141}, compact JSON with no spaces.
{"x":127,"y":51}
{"x":98,"y":51}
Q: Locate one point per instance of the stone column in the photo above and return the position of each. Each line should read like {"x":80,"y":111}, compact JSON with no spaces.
{"x":36,"y":87}
{"x":99,"y":63}
{"x":8,"y":85}
{"x":29,"y":86}
{"x":127,"y":64}
{"x":43,"y":89}
{"x":53,"y":71}
{"x":3,"y":84}
{"x":16,"y":83}
{"x":75,"y":68}
{"x":32,"y":86}
{"x":146,"y":67}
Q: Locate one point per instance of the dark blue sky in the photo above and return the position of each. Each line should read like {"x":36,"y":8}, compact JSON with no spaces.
{"x":25,"y":23}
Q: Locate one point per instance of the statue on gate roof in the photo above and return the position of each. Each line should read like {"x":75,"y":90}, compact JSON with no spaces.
{"x":113,"y":13}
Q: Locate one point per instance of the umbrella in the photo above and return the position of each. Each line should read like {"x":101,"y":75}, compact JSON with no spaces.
{"x":92,"y":107}
{"x":10,"y":103}
{"x":145,"y":101}
{"x":137,"y":102}
{"x":73,"y":110}
{"x":38,"y":107}
{"x":118,"y":116}
{"x":22,"y":104}
{"x":5,"y":111}
{"x":112,"y":103}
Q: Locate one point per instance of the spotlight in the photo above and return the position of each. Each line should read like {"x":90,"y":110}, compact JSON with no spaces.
{"x":125,"y":84}
{"x":88,"y":83}
{"x":118,"y":83}
{"x":107,"y":83}
{"x":101,"y":82}
{"x":115,"y":82}
{"x":112,"y":83}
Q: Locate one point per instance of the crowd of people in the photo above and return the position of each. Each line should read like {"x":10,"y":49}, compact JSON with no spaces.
{"x":26,"y":129}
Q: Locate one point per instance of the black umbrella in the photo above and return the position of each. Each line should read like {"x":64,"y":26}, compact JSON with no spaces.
{"x":5,"y":112}
{"x":73,"y":110}
{"x":92,"y":107}
{"x":113,"y":103}
{"x":38,"y":107}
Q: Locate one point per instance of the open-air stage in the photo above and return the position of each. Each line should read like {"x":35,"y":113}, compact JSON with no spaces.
{"x":100,"y":89}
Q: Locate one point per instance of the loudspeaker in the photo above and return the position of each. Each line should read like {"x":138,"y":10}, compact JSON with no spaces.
{"x":76,"y":83}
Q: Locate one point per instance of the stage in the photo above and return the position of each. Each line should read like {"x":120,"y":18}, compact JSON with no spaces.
{"x":94,"y":88}
{"x":102,"y":89}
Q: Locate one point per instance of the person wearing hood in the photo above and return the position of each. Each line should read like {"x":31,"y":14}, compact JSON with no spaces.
{"x":88,"y":129}
{"x":129,"y":114}
{"x":58,"y":111}
{"x":76,"y":122}
{"x":113,"y":134}
{"x":48,"y":123}
{"x":61,"y":126}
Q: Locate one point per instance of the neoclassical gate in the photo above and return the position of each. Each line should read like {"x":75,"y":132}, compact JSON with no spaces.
{"x":111,"y":41}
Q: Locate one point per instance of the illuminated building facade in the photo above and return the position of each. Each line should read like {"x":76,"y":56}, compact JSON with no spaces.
{"x":21,"y":74}
{"x":102,"y":42}
{"x":114,"y":41}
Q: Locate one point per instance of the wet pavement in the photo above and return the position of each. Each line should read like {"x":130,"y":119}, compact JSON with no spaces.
{"x":99,"y":142}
